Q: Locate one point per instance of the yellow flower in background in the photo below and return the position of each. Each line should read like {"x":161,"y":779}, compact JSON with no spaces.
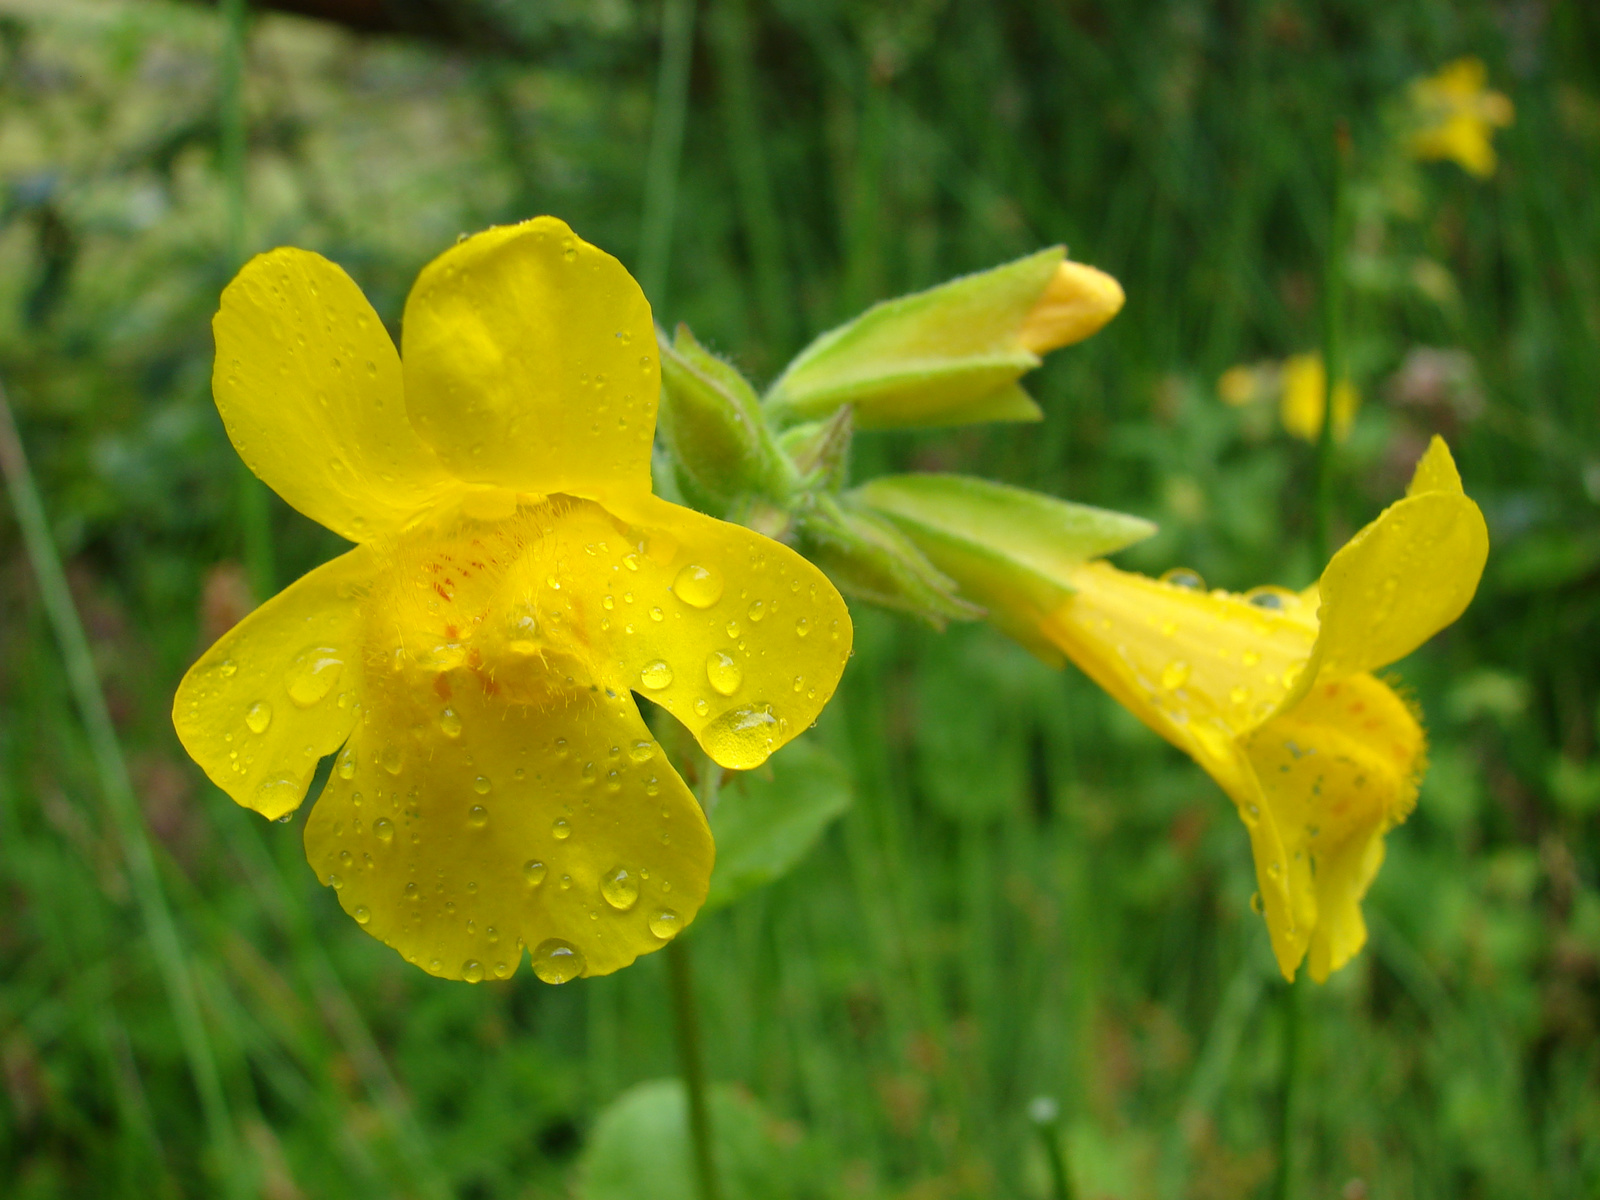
{"x":1455,"y":114}
{"x":514,"y":582}
{"x":1304,"y":399}
{"x":1273,"y":693}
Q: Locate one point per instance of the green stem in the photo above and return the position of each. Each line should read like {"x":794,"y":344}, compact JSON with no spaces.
{"x":666,"y":145}
{"x":255,"y":512}
{"x":1046,"y":1117}
{"x":1293,"y":1001}
{"x":1332,"y":355}
{"x":686,"y":1023}
{"x":118,"y":794}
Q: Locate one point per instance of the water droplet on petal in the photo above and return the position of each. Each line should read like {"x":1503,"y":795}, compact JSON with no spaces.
{"x":802,"y":627}
{"x":1174,"y":675}
{"x":258,"y":716}
{"x":664,"y":924}
{"x":697,"y":586}
{"x":700,"y":706}
{"x":556,"y":961}
{"x":389,"y":760}
{"x":1183,"y":577}
{"x":450,"y":723}
{"x":534,"y":872}
{"x":642,"y":751}
{"x":413,"y":892}
{"x":472,"y":971}
{"x":620,"y":889}
{"x":742,"y":738}
{"x":758,"y":609}
{"x":312,"y":674}
{"x":656,"y":675}
{"x":481,"y":785}
{"x":1255,"y":903}
{"x":724,"y":673}
{"x":560,"y":830}
{"x":1271,"y":598}
{"x":228,"y":668}
{"x":477,"y":816}
{"x":363,"y":914}
{"x":383,"y":829}
{"x":347,"y":765}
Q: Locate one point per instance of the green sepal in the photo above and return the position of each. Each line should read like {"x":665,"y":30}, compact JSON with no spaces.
{"x":820,"y":450}
{"x":765,"y":821}
{"x":869,"y":559}
{"x":1009,"y":549}
{"x":710,"y":419}
{"x":946,"y":356}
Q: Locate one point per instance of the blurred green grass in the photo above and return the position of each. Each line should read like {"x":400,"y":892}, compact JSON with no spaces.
{"x":1031,"y":894}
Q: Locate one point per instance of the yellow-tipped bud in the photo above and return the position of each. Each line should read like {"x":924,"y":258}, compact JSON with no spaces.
{"x":1076,"y":304}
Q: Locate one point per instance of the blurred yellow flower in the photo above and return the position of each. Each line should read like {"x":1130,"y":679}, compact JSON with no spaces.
{"x":1304,"y":399}
{"x":1242,"y":384}
{"x":473,"y":658}
{"x":1273,"y":693}
{"x":1455,"y":114}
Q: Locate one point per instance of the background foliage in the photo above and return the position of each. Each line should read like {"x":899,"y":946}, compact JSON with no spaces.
{"x":1031,"y":894}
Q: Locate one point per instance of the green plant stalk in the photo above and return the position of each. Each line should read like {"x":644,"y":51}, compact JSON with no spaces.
{"x":121,"y":802}
{"x":666,"y":147}
{"x":686,"y":1024}
{"x":1332,"y":354}
{"x":1047,"y":1123}
{"x":255,"y":512}
{"x":1283,"y":1186}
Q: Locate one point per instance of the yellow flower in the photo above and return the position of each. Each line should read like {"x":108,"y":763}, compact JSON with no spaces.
{"x":1304,"y":399}
{"x":1076,"y":304}
{"x":1455,"y":116}
{"x":1273,"y":693}
{"x":513,"y":584}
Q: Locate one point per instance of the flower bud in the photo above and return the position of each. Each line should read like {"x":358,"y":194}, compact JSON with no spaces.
{"x":951,"y":355}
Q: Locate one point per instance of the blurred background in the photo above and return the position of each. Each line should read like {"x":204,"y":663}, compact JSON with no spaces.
{"x":1031,"y":894}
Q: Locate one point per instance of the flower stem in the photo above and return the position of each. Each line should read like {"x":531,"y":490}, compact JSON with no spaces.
{"x":666,"y":144}
{"x":686,"y":1023}
{"x":117,"y":791}
{"x":255,"y":512}
{"x":1283,"y":1184}
{"x":1332,"y":353}
{"x":1045,"y":1114}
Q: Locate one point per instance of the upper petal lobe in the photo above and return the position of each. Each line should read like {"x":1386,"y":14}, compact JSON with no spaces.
{"x":308,"y":385}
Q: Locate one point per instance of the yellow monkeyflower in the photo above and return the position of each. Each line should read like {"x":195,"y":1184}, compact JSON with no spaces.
{"x":1303,"y":399}
{"x":473,"y":659}
{"x":1455,"y":114}
{"x":1272,"y":692}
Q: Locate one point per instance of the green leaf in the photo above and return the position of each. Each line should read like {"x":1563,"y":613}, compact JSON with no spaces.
{"x":640,"y":1148}
{"x":946,"y":356}
{"x":766,"y":820}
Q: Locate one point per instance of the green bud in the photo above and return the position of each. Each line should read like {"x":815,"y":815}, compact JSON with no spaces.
{"x":951,"y":355}
{"x":1008,"y":549}
{"x":820,"y":450}
{"x":869,"y":559}
{"x":711,"y":420}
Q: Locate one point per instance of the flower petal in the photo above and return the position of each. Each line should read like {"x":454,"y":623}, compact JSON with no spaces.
{"x":308,"y":385}
{"x":734,"y":634}
{"x":1403,"y":578}
{"x":280,"y":689}
{"x":530,"y":363}
{"x":1336,"y":772}
{"x":459,"y":826}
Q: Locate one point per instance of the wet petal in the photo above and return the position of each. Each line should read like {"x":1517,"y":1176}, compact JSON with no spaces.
{"x":530,"y":363}
{"x":734,"y":634}
{"x":280,"y":689}
{"x":1200,"y":668}
{"x":1336,"y":773}
{"x":1404,"y":577}
{"x":308,"y":385}
{"x":460,"y":826}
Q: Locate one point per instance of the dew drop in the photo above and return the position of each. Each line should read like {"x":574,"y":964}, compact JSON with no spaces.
{"x":1255,"y":903}
{"x":1183,"y":577}
{"x":620,"y":889}
{"x":477,"y":816}
{"x":258,"y":716}
{"x":642,"y":751}
{"x":363,"y":914}
{"x":556,"y":961}
{"x":450,"y":723}
{"x":228,"y":669}
{"x":383,"y":829}
{"x":502,"y":970}
{"x":742,"y":738}
{"x":1175,"y":675}
{"x":802,"y":627}
{"x":560,"y":830}
{"x":472,"y":971}
{"x":697,"y":586}
{"x":413,"y":892}
{"x":1271,"y":598}
{"x":664,"y":924}
{"x":656,"y":675}
{"x":723,"y":672}
{"x":758,"y":609}
{"x":389,"y":760}
{"x":481,"y":785}
{"x":534,"y":872}
{"x":278,"y":791}
{"x":701,"y":708}
{"x":312,"y":674}
{"x":347,"y":766}
{"x":335,"y":882}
